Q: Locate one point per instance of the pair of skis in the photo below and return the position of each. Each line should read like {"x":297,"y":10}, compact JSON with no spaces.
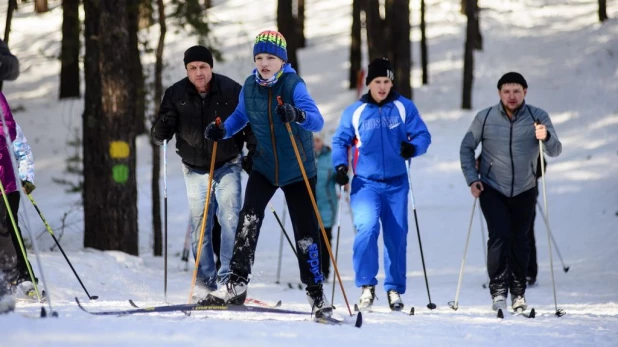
{"x":518,"y":312}
{"x":188,"y":308}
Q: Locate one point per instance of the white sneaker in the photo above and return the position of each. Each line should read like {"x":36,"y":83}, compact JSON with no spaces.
{"x":394,"y":300}
{"x":7,"y":304}
{"x":499,"y":302}
{"x":320,"y":306}
{"x":519,"y":303}
{"x":366,"y":299}
{"x":229,"y":294}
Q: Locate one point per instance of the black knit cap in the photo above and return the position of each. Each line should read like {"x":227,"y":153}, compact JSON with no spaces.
{"x":512,"y":77}
{"x":380,"y":67}
{"x":198,"y":53}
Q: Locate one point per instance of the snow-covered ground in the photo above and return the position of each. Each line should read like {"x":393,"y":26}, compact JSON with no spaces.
{"x":571,"y":64}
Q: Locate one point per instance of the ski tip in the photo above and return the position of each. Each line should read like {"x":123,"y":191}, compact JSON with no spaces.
{"x":566,"y":268}
{"x":54,"y":314}
{"x":500,"y":314}
{"x":133,"y":303}
{"x":532,"y":313}
{"x":560,"y":313}
{"x":411,"y":311}
{"x":356,"y":308}
{"x":290,"y":285}
{"x":359,"y":320}
{"x":278,"y":304}
{"x":43,"y":312}
{"x":300,"y":286}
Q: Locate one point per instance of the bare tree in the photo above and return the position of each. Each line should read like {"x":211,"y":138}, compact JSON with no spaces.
{"x":139,"y":90}
{"x":286,"y":24}
{"x":69,"y":51}
{"x":355,"y":44}
{"x":300,"y":22}
{"x":12,"y":6}
{"x":398,"y":24}
{"x":424,"y":54}
{"x":468,"y":70}
{"x":40,"y":6}
{"x":110,"y":190}
{"x":156,"y":154}
{"x":376,"y":38}
{"x":603,"y":11}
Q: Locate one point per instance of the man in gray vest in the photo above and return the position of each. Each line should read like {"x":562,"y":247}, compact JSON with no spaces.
{"x":505,"y":182}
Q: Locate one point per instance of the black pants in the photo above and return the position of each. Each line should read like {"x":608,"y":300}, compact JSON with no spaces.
{"x":324,"y":257}
{"x":258,"y":193}
{"x":216,"y":241}
{"x":8,"y":256}
{"x":533,"y":267}
{"x":508,"y":247}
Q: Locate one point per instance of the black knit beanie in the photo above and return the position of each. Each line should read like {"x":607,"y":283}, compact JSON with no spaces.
{"x":380,"y":67}
{"x":512,"y":77}
{"x":198,"y":53}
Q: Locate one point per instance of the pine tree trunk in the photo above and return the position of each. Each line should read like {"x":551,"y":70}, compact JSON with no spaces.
{"x":286,"y":24}
{"x":478,"y":41}
{"x":139,"y":92}
{"x":398,"y":22}
{"x":375,"y":30}
{"x":40,"y":6}
{"x":69,"y":52}
{"x":355,"y":44}
{"x":300,"y":21}
{"x":424,"y":53}
{"x":468,"y":70}
{"x":110,"y":191}
{"x":603,"y":11}
{"x":156,"y":153}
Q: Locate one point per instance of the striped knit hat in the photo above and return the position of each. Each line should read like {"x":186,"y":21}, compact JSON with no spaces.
{"x":271,"y":42}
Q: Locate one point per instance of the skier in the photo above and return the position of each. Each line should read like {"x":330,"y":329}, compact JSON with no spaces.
{"x":275,"y":166}
{"x":507,"y":183}
{"x":385,"y":130}
{"x":326,"y":196}
{"x":186,"y":109}
{"x":9,"y":70}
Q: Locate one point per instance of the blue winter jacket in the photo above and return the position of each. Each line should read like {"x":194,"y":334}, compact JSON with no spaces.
{"x":376,"y":131}
{"x":325,"y":189}
{"x":275,"y":157}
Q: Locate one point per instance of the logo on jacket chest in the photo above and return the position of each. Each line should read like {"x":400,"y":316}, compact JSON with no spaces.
{"x":384,"y":122}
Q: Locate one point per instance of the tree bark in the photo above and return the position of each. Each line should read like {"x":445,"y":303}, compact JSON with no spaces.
{"x":110,"y":190}
{"x":424,"y":53}
{"x":468,"y":70}
{"x":355,"y":44}
{"x":156,"y":153}
{"x":603,"y":11}
{"x":375,"y":30}
{"x":40,"y":6}
{"x":69,"y":52}
{"x":300,"y":22}
{"x":398,"y":22}
{"x":12,"y":6}
{"x":286,"y":24}
{"x":138,"y":93}
{"x":478,"y":38}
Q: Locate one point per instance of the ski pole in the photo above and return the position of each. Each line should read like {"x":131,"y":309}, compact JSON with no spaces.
{"x":49,"y":229}
{"x":455,"y":304}
{"x":165,"y":220}
{"x":283,"y":230}
{"x":332,"y":297}
{"x":205,"y":218}
{"x":482,"y":222}
{"x":430,"y":305}
{"x":564,"y":267}
{"x":559,"y":312}
{"x":280,"y":244}
{"x":315,"y":207}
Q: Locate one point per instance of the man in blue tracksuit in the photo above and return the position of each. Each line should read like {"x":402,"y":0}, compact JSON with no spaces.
{"x":385,"y":130}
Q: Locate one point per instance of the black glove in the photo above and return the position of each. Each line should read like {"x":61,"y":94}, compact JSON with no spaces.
{"x":214,"y":132}
{"x":342,"y":175}
{"x":247,"y":164}
{"x":407,"y":150}
{"x":28,"y":186}
{"x":163,"y":130}
{"x":288,"y":113}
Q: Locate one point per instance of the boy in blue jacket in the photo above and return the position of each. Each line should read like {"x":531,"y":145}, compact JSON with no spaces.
{"x":275,"y":166}
{"x":385,"y":130}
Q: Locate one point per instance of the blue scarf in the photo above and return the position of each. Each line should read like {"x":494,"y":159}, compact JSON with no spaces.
{"x":269,"y":82}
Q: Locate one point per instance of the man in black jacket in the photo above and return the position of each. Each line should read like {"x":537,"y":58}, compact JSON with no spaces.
{"x":187,"y":108}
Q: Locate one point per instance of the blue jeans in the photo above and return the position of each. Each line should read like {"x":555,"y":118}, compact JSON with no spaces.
{"x":226,"y":203}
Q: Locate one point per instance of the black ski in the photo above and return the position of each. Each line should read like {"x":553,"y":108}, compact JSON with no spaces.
{"x":247,"y":301}
{"x":411,"y":313}
{"x":519,"y":312}
{"x":231,"y":308}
